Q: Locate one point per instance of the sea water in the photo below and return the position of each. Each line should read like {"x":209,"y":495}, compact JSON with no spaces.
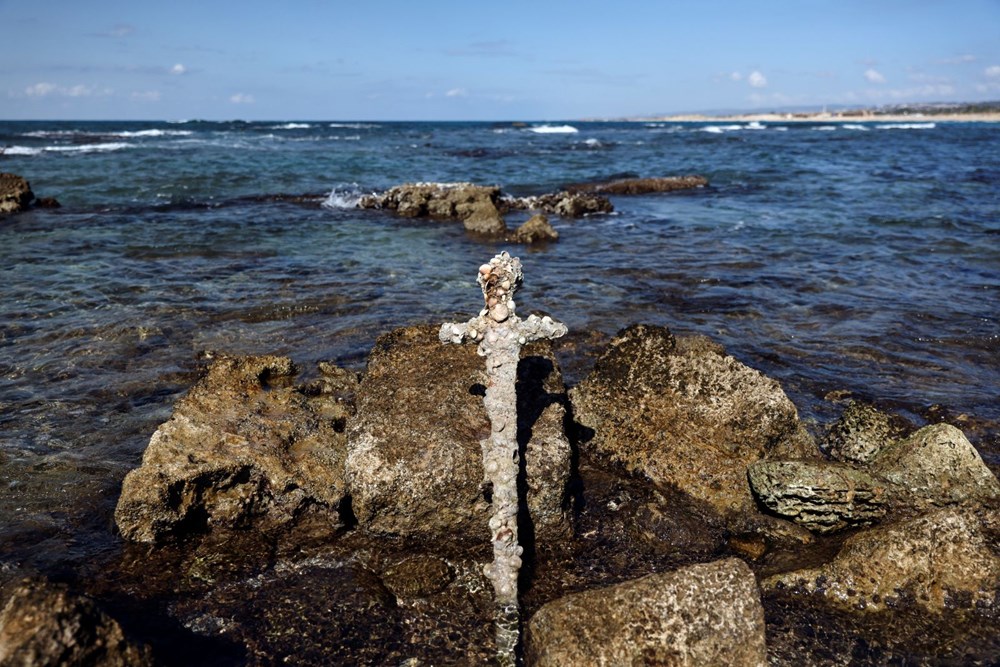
{"x":843,"y":259}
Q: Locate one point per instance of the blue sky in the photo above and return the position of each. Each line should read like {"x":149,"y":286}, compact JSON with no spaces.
{"x":450,"y":60}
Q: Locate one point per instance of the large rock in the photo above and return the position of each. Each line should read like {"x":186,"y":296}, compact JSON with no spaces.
{"x":15,"y":193}
{"x":474,"y":205}
{"x":942,"y":560}
{"x":45,"y":624}
{"x":936,"y":466}
{"x":639,"y":186}
{"x":686,"y":415}
{"x":243,"y":448}
{"x":820,"y":495}
{"x":534,"y":230}
{"x":707,"y":614}
{"x":414,"y":462}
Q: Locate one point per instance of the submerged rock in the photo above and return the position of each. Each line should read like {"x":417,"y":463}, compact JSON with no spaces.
{"x":414,"y":461}
{"x":860,"y":434}
{"x":940,"y":560}
{"x":536,"y":229}
{"x":15,"y":193}
{"x":706,"y":614}
{"x":822,"y":496}
{"x":566,"y":204}
{"x":686,"y":415}
{"x":243,"y":448}
{"x":474,"y":205}
{"x":639,"y":186}
{"x":936,"y":466}
{"x":45,"y":624}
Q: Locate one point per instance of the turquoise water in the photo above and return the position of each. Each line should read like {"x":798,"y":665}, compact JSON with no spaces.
{"x":836,"y":256}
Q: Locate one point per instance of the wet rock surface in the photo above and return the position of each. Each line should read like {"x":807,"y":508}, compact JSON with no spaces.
{"x":697,"y":615}
{"x":243,"y":448}
{"x":15,"y":193}
{"x":534,"y":230}
{"x":474,"y":205}
{"x":685,"y":415}
{"x":565,"y":204}
{"x":44,"y":623}
{"x":861,"y":433}
{"x":414,"y":460}
{"x":945,"y":559}
{"x":639,"y":186}
{"x":822,"y":496}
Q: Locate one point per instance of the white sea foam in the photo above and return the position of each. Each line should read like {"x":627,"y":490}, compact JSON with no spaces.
{"x":344,"y":196}
{"x":553,"y":129}
{"x":825,"y":128}
{"x":153,"y":133}
{"x":854,"y":126}
{"x":19,"y":150}
{"x":355,"y":126}
{"x":593,"y":142}
{"x":83,"y":148}
{"x":907,"y":126}
{"x":755,"y":125}
{"x":719,"y":129}
{"x":291,"y":126}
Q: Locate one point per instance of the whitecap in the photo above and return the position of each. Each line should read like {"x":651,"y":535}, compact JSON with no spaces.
{"x":593,"y":142}
{"x":854,"y":126}
{"x":346,"y":196}
{"x":755,"y":125}
{"x":825,"y":128}
{"x":19,"y":150}
{"x":291,"y":126}
{"x":355,"y":126}
{"x":91,"y":148}
{"x":553,"y":129}
{"x":719,"y":129}
{"x":907,"y":126}
{"x":153,"y":133}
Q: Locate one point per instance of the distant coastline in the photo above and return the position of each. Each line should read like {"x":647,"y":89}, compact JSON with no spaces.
{"x":831,"y":117}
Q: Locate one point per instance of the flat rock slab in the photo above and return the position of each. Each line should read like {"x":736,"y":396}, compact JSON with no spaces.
{"x":640,"y":186}
{"x":822,"y":496}
{"x":242,"y":448}
{"x":706,"y":614}
{"x":414,"y":462}
{"x":686,"y":415}
{"x":941,"y":560}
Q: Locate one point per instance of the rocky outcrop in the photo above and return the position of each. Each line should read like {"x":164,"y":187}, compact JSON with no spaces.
{"x":15,"y":193}
{"x":860,"y":434}
{"x":707,"y":614}
{"x":535,"y":230}
{"x":414,"y":462}
{"x":640,"y":186}
{"x":822,"y":496}
{"x":474,"y":205}
{"x":935,"y":466}
{"x":45,"y":624}
{"x":565,"y":204}
{"x":686,"y":415}
{"x":941,"y":560}
{"x":243,"y":448}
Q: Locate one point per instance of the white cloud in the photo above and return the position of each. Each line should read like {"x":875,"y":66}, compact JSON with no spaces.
{"x":40,"y":89}
{"x":241,"y":98}
{"x":457,"y":92}
{"x":178,"y":69}
{"x":757,"y":80}
{"x":874,"y":76}
{"x":121,"y":30}
{"x":958,"y":60}
{"x":993,"y":71}
{"x":735,"y":76}
{"x":44,"y":89}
